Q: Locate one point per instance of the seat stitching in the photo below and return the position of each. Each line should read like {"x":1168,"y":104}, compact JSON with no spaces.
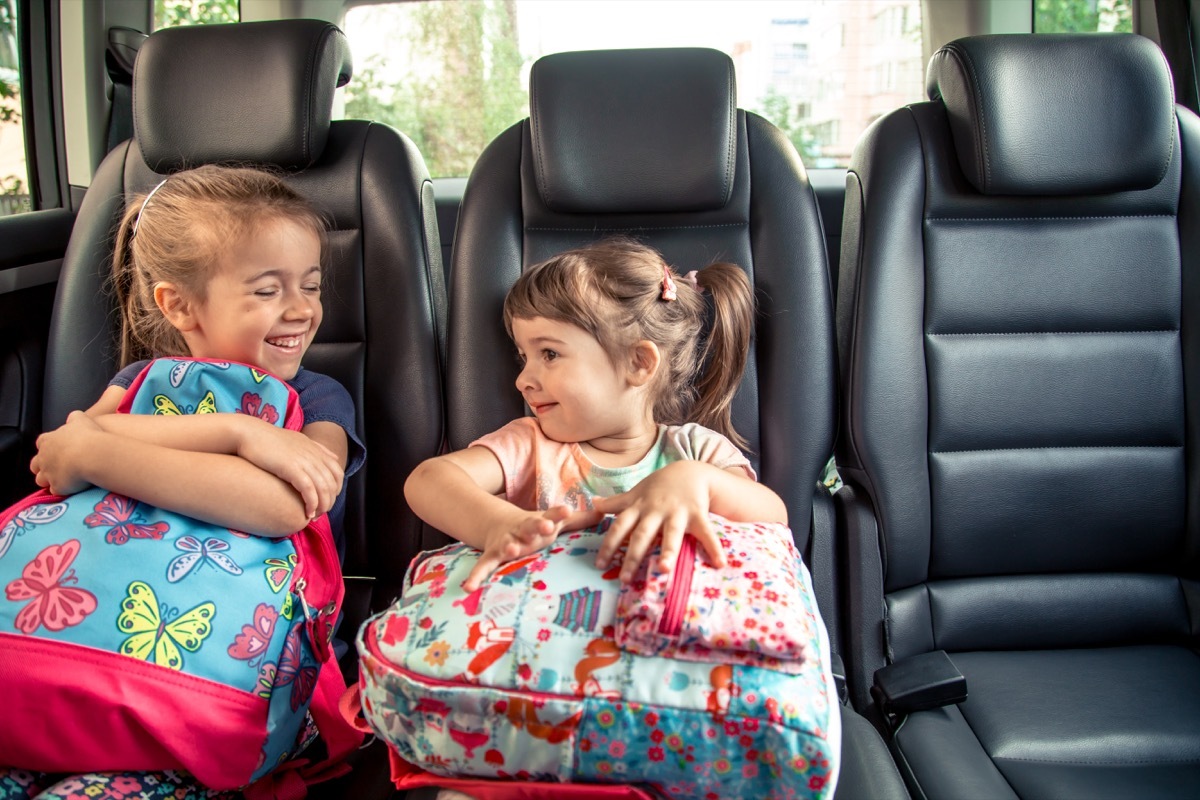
{"x":1055,"y":333}
{"x":645,"y":227}
{"x":1060,"y":447}
{"x":1047,"y":218}
{"x":1097,"y":763}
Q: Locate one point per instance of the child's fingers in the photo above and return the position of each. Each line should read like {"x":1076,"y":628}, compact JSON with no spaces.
{"x":709,"y":539}
{"x":482,"y":570}
{"x":641,"y":538}
{"x":673,"y":531}
{"x":615,"y":537}
{"x":578,"y":520}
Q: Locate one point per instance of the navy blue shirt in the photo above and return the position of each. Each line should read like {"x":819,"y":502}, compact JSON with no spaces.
{"x":322,"y":399}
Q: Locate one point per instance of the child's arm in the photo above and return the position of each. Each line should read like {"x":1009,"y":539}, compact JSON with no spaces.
{"x":675,"y":500}
{"x":229,"y":469}
{"x":457,"y":493}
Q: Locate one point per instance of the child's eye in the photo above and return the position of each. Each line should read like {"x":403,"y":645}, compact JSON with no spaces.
{"x":313,"y":288}
{"x":264,"y":292}
{"x":520,"y":359}
{"x":549,"y":354}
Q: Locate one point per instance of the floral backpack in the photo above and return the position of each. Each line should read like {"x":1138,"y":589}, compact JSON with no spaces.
{"x":706,"y":683}
{"x":138,"y":639}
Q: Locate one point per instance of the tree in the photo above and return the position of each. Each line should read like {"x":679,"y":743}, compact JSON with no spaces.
{"x":172,"y":13}
{"x":1083,"y":16}
{"x":469,"y":88}
{"x":10,"y":88}
{"x":781,"y":111}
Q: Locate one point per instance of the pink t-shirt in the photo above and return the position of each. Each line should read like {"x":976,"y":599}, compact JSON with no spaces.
{"x":540,"y":473}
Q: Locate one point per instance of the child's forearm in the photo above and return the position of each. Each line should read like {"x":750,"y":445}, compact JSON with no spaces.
{"x":202,"y":433}
{"x":744,"y":500}
{"x":444,"y":496}
{"x":215,"y":487}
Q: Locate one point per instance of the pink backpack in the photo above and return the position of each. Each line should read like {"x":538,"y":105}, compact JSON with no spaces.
{"x":702,"y":684}
{"x":137,"y":639}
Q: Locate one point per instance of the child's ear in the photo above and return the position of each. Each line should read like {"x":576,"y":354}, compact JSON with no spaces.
{"x":644,"y":362}
{"x":174,"y":306}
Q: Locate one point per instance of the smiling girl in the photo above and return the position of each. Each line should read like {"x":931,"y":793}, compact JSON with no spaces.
{"x":216,"y":263}
{"x":222,"y":264}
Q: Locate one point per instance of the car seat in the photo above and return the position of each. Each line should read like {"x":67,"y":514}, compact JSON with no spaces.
{"x":261,"y":93}
{"x":650,"y":143}
{"x":1017,"y":320}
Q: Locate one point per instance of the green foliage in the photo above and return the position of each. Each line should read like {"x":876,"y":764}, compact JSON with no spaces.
{"x":1083,"y":16}
{"x":471,"y":92}
{"x":782,"y":113}
{"x":10,"y":90}
{"x":10,"y":101}
{"x":172,"y":13}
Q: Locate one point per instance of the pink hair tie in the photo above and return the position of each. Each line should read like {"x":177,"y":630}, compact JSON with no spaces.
{"x":691,"y":278}
{"x":668,"y":285}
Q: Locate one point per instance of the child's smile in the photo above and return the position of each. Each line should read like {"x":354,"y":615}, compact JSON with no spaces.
{"x":263,"y":304}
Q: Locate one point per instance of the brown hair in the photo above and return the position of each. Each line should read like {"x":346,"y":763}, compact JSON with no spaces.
{"x":613,"y":290}
{"x":185,"y":228}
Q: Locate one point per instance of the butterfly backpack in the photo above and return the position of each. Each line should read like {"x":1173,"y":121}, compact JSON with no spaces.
{"x":134,"y":638}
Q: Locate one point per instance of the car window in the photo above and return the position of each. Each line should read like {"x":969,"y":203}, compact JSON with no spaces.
{"x":452,"y":75}
{"x":14,"y":171}
{"x":1083,"y":16}
{"x":173,"y":13}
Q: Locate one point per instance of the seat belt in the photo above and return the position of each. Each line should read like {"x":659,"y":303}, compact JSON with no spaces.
{"x":123,"y":44}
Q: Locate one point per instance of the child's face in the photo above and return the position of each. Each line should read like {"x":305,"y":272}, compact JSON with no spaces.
{"x":263,"y":303}
{"x":572,"y":386}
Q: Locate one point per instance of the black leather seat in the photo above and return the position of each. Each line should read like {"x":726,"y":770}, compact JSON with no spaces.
{"x":1018,"y":327}
{"x":261,"y":93}
{"x":650,"y":143}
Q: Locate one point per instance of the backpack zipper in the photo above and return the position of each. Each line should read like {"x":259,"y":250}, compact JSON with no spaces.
{"x":680,"y":589}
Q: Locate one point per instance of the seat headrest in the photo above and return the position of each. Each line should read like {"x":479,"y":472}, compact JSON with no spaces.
{"x":1057,"y":114}
{"x":634,"y":130}
{"x":258,"y":92}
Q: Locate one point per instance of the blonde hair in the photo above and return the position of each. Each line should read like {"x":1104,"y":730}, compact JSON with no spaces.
{"x":613,"y":290}
{"x":179,"y":232}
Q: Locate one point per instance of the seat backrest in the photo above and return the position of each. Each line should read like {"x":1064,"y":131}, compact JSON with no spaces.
{"x":1017,"y":320}
{"x":261,"y":94}
{"x":651,"y":144}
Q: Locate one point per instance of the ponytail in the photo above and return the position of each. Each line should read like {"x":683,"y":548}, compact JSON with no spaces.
{"x":724,"y":349}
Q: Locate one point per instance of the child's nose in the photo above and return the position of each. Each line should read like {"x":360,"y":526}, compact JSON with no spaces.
{"x":300,"y":308}
{"x":524,"y":379}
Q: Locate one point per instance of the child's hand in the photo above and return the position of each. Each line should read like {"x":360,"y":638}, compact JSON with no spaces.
{"x":529,"y":532}
{"x":310,"y":467}
{"x":60,"y":461}
{"x":672,"y":501}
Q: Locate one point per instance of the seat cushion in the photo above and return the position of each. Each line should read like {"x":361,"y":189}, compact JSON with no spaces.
{"x":1099,"y":723}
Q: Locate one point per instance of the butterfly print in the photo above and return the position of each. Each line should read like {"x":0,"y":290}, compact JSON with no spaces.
{"x":303,"y":678}
{"x":253,"y":405}
{"x":164,"y":405}
{"x":28,"y":519}
{"x":157,"y":631}
{"x":252,"y":642}
{"x":197,"y":553}
{"x":180,"y":370}
{"x":279,"y":571}
{"x":119,"y":514}
{"x":45,"y":581}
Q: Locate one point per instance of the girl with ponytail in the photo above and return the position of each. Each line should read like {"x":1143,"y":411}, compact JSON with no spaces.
{"x":629,"y":369}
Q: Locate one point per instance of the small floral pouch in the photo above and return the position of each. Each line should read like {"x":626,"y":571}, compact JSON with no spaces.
{"x":754,"y":611}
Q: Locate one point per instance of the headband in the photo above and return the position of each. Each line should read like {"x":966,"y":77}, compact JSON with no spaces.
{"x":142,"y":210}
